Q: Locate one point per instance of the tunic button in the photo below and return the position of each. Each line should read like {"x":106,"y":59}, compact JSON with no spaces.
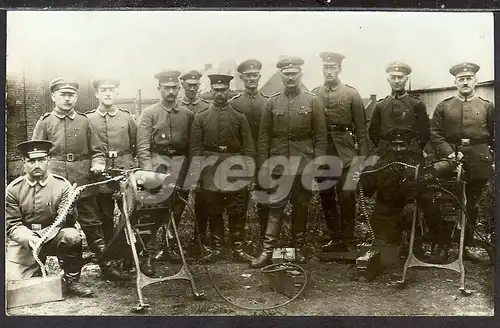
{"x":163,"y":135}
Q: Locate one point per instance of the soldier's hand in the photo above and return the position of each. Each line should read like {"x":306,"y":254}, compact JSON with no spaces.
{"x":457,"y":157}
{"x":33,"y":241}
{"x":97,"y":168}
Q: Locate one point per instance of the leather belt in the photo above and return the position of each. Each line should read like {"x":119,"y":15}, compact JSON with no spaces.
{"x":467,"y":141}
{"x":70,"y":157}
{"x":118,"y":153}
{"x":223,"y":149}
{"x":295,"y":137}
{"x":169,"y":151}
{"x":340,"y":128}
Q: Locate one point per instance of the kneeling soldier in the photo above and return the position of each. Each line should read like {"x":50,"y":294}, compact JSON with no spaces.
{"x":31,"y":205}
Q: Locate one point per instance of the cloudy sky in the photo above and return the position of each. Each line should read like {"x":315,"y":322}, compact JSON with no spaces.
{"x":136,"y":44}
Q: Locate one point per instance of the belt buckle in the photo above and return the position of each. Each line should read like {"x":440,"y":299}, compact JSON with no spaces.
{"x":223,"y":148}
{"x":170,"y":150}
{"x":465,"y":142}
{"x":70,"y":157}
{"x":113,"y":154}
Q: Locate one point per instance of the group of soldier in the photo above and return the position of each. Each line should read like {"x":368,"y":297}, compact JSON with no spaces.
{"x":70,"y":147}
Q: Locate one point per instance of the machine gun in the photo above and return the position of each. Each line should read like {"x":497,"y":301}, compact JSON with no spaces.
{"x":141,"y":188}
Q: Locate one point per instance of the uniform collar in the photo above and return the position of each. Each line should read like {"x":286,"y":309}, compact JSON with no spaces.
{"x":223,"y":107}
{"x":185,"y":100}
{"x":469,"y":98}
{"x":332,"y":85}
{"x":168,"y":107}
{"x":62,"y":114}
{"x":251,"y":94}
{"x":101,"y":111}
{"x":42,"y":183}
{"x":292,"y":93}
{"x":394,"y":96}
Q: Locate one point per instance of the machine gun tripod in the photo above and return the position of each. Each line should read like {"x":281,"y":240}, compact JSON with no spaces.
{"x":130,"y":195}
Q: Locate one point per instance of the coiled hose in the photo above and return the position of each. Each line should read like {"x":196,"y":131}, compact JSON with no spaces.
{"x":268,"y":269}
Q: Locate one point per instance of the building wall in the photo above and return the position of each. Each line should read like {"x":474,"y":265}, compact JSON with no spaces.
{"x":431,"y":97}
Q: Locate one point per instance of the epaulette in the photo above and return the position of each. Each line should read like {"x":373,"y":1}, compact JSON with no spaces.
{"x":125,"y":110}
{"x":60,"y":177}
{"x":44,"y":116}
{"x":309,"y":93}
{"x":90,"y":111}
{"x":347,"y":85}
{"x":315,"y":89}
{"x":449,"y":98}
{"x":235,"y":109}
{"x":484,"y":99}
{"x":80,"y":113}
{"x":17,"y":180}
{"x":275,"y":95}
{"x":263,"y":95}
{"x":205,"y":101}
{"x":382,"y":99}
{"x":235,"y":97}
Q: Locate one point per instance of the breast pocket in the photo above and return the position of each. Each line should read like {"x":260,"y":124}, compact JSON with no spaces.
{"x":280,"y":121}
{"x":304,"y":116}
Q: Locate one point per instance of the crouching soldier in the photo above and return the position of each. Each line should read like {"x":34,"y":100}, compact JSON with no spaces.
{"x":31,"y":206}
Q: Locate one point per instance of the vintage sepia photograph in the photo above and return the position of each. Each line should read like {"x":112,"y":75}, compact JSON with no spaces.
{"x":255,"y":163}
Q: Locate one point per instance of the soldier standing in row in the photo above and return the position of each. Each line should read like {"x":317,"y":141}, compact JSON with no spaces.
{"x":77,"y":153}
{"x":292,"y":125}
{"x":463,"y":127}
{"x":162,"y":146}
{"x":117,"y":131}
{"x":346,"y":125}
{"x":251,"y":102}
{"x":32,"y":202}
{"x":191,"y":100}
{"x":223,"y":132}
{"x":399,"y":129}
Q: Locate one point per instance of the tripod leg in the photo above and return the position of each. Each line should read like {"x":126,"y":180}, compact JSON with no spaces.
{"x":463,"y":221}
{"x":196,"y":294}
{"x":131,"y":237}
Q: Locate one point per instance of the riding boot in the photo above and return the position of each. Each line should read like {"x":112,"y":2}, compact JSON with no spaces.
{"x":217,"y":236}
{"x":70,"y":260}
{"x":108,"y":270}
{"x":237,"y":230}
{"x":270,"y":239}
{"x":299,"y":242}
{"x":298,"y":227}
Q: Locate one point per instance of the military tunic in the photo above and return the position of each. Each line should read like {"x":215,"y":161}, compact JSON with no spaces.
{"x":117,"y":131}
{"x":252,"y":105}
{"x":76,"y":145}
{"x":292,"y":125}
{"x":405,"y":113}
{"x":163,"y":146}
{"x":30,"y":208}
{"x":224,"y":132}
{"x":455,"y":119}
{"x":345,"y":116}
{"x":196,"y":105}
{"x":163,"y":131}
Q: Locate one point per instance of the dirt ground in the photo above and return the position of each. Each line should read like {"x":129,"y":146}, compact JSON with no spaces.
{"x":332,"y":290}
